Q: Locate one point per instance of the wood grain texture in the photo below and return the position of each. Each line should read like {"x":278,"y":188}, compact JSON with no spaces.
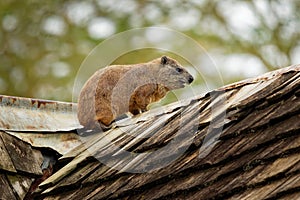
{"x":256,"y":156}
{"x":6,"y":191}
{"x":20,"y":164}
{"x":241,"y":141}
{"x":6,"y":162}
{"x":22,"y":155}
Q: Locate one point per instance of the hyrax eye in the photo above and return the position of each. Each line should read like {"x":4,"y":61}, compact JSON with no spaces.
{"x":179,"y":70}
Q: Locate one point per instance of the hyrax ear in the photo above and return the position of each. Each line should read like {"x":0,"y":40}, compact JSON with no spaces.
{"x":164,"y":60}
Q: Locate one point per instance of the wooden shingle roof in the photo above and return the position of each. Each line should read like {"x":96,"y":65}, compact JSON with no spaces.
{"x":238,"y":142}
{"x":20,"y":165}
{"x":241,"y":141}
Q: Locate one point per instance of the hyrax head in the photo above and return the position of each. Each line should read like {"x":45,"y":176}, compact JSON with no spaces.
{"x":171,"y":74}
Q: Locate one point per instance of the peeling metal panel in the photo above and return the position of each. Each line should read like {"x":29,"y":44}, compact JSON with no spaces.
{"x":60,"y":142}
{"x":26,"y":114}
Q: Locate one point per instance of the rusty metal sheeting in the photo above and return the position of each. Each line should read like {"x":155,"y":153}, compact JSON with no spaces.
{"x":26,"y":114}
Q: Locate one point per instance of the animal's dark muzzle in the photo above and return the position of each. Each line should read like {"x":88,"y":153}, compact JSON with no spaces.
{"x":190,"y":79}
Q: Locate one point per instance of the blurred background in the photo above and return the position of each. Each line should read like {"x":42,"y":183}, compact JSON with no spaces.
{"x":43,"y":43}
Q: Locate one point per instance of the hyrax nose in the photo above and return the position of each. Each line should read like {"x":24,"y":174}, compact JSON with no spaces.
{"x":190,"y":79}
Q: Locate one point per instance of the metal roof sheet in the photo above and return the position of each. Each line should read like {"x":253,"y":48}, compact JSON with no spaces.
{"x":26,"y":114}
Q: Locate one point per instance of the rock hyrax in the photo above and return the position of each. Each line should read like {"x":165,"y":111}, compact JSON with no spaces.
{"x":118,"y":89}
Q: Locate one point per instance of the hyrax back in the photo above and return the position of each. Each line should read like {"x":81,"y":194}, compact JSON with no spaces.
{"x":118,"y":89}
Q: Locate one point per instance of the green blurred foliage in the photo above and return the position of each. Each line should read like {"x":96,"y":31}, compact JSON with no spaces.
{"x":43,"y":43}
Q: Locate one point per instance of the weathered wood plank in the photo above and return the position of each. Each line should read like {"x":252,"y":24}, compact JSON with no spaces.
{"x":295,"y":168}
{"x":241,"y":179}
{"x":260,"y":137}
{"x":112,"y":188}
{"x":20,"y":184}
{"x":277,"y":84}
{"x":292,"y":184}
{"x":243,"y":96}
{"x":171,"y":186}
{"x":65,"y":171}
{"x":291,"y":86}
{"x":84,"y":193}
{"x":281,"y":165}
{"x":259,"y":192}
{"x":261,"y":117}
{"x":86,"y":142}
{"x":5,"y":191}
{"x":24,"y":158}
{"x":272,"y":151}
{"x":6,"y":162}
{"x":147,"y":131}
{"x":80,"y":174}
{"x":170,"y":130}
{"x":289,"y":196}
{"x":99,"y":175}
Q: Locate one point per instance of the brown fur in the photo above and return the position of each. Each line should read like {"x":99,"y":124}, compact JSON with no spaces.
{"x":118,"y":89}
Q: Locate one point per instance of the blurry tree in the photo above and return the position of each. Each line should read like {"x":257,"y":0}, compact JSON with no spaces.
{"x":43,"y":43}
